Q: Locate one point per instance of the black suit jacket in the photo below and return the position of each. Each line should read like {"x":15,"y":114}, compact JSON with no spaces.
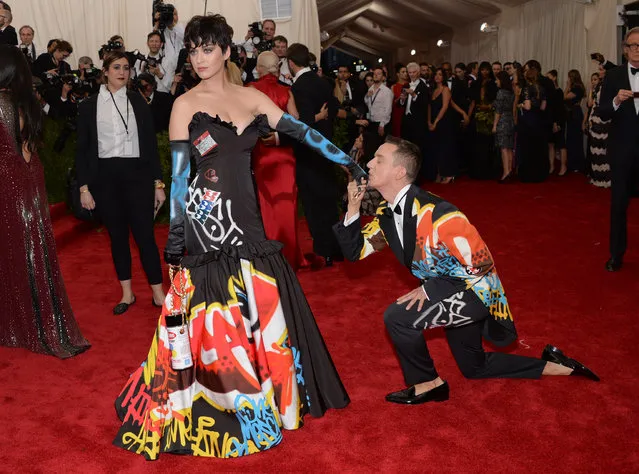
{"x":161,"y":107}
{"x":45,"y":63}
{"x":419,"y":104}
{"x":9,"y":36}
{"x":623,"y":135}
{"x":86,"y":157}
{"x":311,"y":92}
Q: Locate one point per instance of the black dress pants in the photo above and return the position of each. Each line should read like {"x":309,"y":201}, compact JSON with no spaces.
{"x":624,"y":174}
{"x":317,"y":189}
{"x":125,"y":200}
{"x":462,"y":314}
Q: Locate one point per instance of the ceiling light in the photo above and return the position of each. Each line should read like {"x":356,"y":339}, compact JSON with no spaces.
{"x":413,"y":52}
{"x":380,"y":60}
{"x":486,"y":28}
{"x":443,"y":44}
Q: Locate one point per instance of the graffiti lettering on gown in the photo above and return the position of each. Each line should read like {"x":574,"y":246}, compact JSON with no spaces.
{"x":212,"y":218}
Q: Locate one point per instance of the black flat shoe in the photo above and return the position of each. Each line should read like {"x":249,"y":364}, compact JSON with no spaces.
{"x":552,"y":354}
{"x":614,"y":265}
{"x":408,"y":397}
{"x":122,"y":308}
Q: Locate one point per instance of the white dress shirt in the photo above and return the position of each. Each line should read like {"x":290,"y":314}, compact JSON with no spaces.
{"x":400,"y":200}
{"x":173,"y":44}
{"x":304,"y":70}
{"x":113,"y":139}
{"x":380,"y":104}
{"x":413,"y":85}
{"x":285,"y":73}
{"x":634,"y":85}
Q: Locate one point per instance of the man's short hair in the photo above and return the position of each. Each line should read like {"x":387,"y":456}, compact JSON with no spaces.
{"x":461,"y":66}
{"x":85,"y":60}
{"x":154,"y":33}
{"x":496,"y":62}
{"x":148,"y":78}
{"x":280,"y":38}
{"x":268,"y":20}
{"x":507,"y":63}
{"x":26,"y":26}
{"x":424,"y":63}
{"x":64,"y":46}
{"x":299,"y":54}
{"x":5,"y":6}
{"x":407,"y":155}
{"x":412,"y":65}
{"x":631,"y":32}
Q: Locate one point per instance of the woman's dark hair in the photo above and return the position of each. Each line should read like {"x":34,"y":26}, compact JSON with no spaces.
{"x":63,"y":46}
{"x":15,"y":76}
{"x":368,"y":74}
{"x":444,"y":75}
{"x":485,"y":65}
{"x":575,"y":79}
{"x":209,"y":29}
{"x":504,"y":81}
{"x":111,"y":57}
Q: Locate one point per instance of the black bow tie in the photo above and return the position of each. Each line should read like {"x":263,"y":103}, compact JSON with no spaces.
{"x":389,"y":213}
{"x":634,"y":70}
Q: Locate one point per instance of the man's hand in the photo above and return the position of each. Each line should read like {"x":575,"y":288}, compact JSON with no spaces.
{"x":361,"y":123}
{"x":622,"y":96}
{"x":418,"y":295}
{"x":380,"y":130}
{"x":355,"y":195}
{"x":323,"y":113}
{"x":249,"y":35}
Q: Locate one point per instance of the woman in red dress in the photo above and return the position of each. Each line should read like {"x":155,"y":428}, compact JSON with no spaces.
{"x":274,"y":167}
{"x":398,"y":110}
{"x":36,"y":313}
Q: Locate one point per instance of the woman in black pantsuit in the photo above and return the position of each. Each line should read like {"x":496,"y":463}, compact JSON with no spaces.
{"x":118,"y":170}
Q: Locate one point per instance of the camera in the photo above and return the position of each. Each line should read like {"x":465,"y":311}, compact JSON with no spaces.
{"x":166,"y":13}
{"x":107,"y":48}
{"x":149,"y":61}
{"x":258,"y":37}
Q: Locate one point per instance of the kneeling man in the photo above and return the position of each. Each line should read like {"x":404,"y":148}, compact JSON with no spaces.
{"x":460,"y":289}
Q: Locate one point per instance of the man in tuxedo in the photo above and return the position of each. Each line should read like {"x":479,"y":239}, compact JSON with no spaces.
{"x":8,"y":33}
{"x":26,"y":43}
{"x":315,"y":175}
{"x":415,"y":99}
{"x":459,"y":286}
{"x":619,"y":102}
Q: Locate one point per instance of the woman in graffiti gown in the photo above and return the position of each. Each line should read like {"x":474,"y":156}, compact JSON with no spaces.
{"x":259,"y":361}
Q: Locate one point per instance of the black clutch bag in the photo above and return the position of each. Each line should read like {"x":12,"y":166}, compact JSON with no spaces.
{"x":73,"y":199}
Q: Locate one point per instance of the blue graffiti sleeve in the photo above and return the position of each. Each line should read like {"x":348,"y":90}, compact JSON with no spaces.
{"x":181,"y":170}
{"x":316,"y":141}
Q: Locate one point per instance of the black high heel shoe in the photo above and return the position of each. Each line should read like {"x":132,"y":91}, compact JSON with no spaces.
{"x":553,"y":354}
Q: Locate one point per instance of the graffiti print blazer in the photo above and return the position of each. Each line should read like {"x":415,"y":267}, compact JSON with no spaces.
{"x":440,"y":247}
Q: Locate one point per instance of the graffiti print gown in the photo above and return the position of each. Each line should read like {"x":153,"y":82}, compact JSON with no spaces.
{"x":259,"y":361}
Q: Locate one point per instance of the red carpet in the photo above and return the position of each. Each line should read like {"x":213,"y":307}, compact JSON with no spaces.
{"x":550,"y":244}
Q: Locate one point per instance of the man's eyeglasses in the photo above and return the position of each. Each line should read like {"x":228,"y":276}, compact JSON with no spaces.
{"x":634,"y":47}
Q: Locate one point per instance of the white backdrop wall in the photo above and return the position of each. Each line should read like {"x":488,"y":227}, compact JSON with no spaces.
{"x":560,"y":34}
{"x":87,"y":24}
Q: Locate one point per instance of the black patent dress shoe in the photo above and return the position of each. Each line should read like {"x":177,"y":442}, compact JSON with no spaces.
{"x":122,"y":308}
{"x":408,"y":397}
{"x":553,"y":354}
{"x":614,"y":265}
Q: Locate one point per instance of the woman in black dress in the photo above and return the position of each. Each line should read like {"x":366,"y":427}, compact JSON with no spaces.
{"x":257,"y":361}
{"x":441,"y":123}
{"x":36,"y":313}
{"x":504,"y":125}
{"x":532,"y":149}
{"x":573,"y":96}
{"x":484,"y":92}
{"x":558,"y":139}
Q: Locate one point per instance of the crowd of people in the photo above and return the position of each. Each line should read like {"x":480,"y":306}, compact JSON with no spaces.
{"x":254,"y":361}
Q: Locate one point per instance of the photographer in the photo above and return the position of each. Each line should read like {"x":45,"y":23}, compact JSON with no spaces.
{"x":49,"y":65}
{"x":161,"y":103}
{"x":116,"y":45}
{"x":26,"y":43}
{"x":259,"y":37}
{"x":165,"y":20}
{"x":152,"y":63}
{"x":186,"y":79}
